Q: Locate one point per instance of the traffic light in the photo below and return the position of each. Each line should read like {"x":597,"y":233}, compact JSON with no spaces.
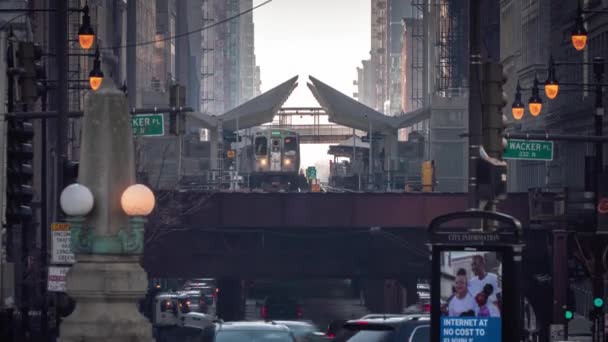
{"x":428,"y":175}
{"x":177,"y":99}
{"x":492,"y":169}
{"x":568,"y":315}
{"x":20,"y":154}
{"x":493,"y":101}
{"x":19,"y":177}
{"x":598,"y":303}
{"x":31,"y":72}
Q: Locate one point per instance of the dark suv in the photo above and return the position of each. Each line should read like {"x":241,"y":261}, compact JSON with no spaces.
{"x":390,"y":329}
{"x":281,"y":308}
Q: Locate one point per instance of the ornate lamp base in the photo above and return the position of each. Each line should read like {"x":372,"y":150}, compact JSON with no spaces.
{"x":106,"y":289}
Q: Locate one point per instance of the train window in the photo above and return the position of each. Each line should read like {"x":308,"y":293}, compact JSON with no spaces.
{"x":290,"y":145}
{"x":261,"y":146}
{"x":275,"y":145}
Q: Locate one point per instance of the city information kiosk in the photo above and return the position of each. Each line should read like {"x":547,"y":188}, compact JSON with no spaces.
{"x":476,"y":281}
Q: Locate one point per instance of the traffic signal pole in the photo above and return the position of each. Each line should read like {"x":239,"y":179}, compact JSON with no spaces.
{"x":475,"y":124}
{"x":61,"y":95}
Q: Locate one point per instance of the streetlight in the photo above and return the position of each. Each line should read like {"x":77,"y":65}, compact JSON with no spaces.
{"x":551,"y":84}
{"x":535,"y":105}
{"x":86,"y":35}
{"x":77,"y":201}
{"x":137,"y":201}
{"x":96,"y":75}
{"x":517,"y":109}
{"x":579,"y":33}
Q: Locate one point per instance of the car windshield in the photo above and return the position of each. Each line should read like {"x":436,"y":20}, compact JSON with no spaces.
{"x":253,"y":336}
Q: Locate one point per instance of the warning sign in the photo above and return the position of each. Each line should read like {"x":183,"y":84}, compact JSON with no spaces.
{"x":61,"y":252}
{"x":57,"y":279}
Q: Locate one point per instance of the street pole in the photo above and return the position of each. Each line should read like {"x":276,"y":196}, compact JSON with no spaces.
{"x":371,"y":164}
{"x":598,"y":274}
{"x":132,"y":53}
{"x":61,"y":46}
{"x":3,"y":85}
{"x":238,"y":146}
{"x":560,"y":277}
{"x":475,"y":124}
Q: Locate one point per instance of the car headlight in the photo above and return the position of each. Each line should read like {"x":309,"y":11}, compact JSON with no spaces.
{"x":263,"y":162}
{"x":287,"y":161}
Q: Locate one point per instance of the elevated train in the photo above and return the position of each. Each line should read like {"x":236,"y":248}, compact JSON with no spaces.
{"x":272,"y":159}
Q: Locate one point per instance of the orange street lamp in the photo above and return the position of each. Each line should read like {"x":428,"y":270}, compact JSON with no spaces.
{"x":551,"y":84}
{"x":86,"y":35}
{"x":579,"y":33}
{"x":96,"y":75}
{"x":535,"y":105}
{"x":517,"y":109}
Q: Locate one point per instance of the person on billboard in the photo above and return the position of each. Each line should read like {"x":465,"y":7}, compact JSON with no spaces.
{"x":485,"y":308}
{"x":481,"y":278}
{"x":462,"y":303}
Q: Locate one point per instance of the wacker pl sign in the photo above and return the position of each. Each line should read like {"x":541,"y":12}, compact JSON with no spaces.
{"x":528,"y":150}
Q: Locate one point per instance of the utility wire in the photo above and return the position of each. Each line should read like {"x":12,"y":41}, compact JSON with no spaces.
{"x":190,"y":32}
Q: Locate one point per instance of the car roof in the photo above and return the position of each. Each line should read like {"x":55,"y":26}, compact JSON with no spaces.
{"x":393,"y":321}
{"x":244,"y":326}
{"x":301,"y":323}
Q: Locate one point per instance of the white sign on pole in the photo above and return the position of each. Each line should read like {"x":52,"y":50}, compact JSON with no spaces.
{"x":56,"y":280}
{"x":61,"y":252}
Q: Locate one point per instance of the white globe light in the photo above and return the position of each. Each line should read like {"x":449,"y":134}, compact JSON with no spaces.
{"x":137,"y":200}
{"x":76,"y":200}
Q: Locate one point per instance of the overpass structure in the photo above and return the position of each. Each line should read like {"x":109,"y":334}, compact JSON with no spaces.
{"x":316,"y":235}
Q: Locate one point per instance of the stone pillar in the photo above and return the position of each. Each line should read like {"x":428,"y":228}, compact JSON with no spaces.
{"x":107,"y":281}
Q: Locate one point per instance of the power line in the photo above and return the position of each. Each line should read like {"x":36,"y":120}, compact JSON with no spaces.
{"x":190,"y":32}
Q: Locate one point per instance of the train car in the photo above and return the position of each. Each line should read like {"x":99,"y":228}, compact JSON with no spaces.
{"x":273,"y":159}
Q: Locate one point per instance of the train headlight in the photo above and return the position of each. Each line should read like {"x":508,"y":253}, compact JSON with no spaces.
{"x":287,"y":161}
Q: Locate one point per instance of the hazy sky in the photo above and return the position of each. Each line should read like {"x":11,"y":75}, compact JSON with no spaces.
{"x":323,"y":38}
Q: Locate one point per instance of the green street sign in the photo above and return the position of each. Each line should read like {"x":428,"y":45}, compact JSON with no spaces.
{"x":528,"y":150}
{"x":148,"y":125}
{"x":311,"y":172}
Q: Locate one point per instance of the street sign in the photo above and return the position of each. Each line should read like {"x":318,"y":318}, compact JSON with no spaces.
{"x":311,"y":172}
{"x":61,"y":252}
{"x":57,"y":279}
{"x":148,"y":125}
{"x":528,"y":150}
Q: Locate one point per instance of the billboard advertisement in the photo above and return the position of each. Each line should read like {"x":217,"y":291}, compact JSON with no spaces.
{"x":471,"y":296}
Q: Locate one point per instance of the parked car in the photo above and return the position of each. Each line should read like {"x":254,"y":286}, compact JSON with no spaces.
{"x":390,"y":329}
{"x":249,"y":332}
{"x":281,"y":307}
{"x":304,"y":331}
